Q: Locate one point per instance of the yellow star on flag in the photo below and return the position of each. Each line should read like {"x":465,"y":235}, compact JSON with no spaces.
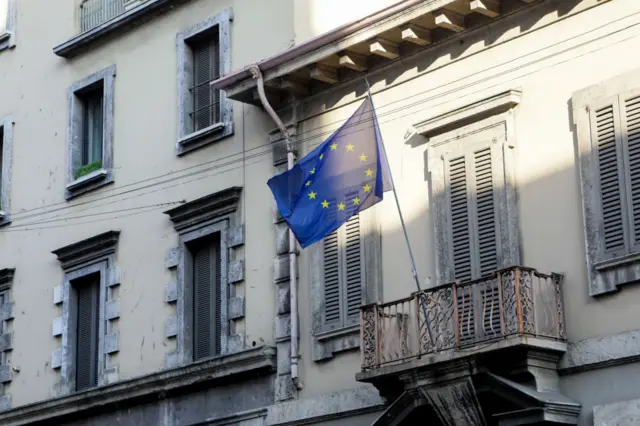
{"x":312,"y":195}
{"x":341,"y":206}
{"x":366,"y":188}
{"x":350,"y":147}
{"x":363,"y":157}
{"x":321,"y":156}
{"x":356,"y":201}
{"x":325,"y":204}
{"x":308,"y":183}
{"x":334,"y":146}
{"x":313,"y":171}
{"x":369,"y":172}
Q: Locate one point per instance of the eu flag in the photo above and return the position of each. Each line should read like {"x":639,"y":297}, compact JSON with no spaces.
{"x":345,"y":174}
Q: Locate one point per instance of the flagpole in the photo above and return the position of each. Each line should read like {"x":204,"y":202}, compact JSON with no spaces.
{"x":414,"y":271}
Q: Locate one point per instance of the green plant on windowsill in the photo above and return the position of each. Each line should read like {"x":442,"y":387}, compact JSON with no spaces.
{"x":88,"y":168}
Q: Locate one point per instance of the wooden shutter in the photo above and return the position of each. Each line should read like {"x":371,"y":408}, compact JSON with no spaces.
{"x":331,"y":279}
{"x":206,"y":68}
{"x":630,"y":105}
{"x":343,"y":273}
{"x":353,"y":268}
{"x":606,"y":135}
{"x":87,"y":332}
{"x":473,"y":241}
{"x":460,"y":235}
{"x":207,"y":301}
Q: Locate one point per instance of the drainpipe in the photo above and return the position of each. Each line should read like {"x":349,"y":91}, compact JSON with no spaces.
{"x":293,"y":285}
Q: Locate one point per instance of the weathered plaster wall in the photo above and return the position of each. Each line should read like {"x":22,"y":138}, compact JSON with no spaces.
{"x":33,"y":85}
{"x":612,"y":385}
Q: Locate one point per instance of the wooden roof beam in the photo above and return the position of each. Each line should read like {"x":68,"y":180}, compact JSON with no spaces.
{"x":353,"y":61}
{"x":385,"y":48}
{"x":325,"y":73}
{"x":416,"y":34}
{"x":449,"y":20}
{"x":490,"y":8}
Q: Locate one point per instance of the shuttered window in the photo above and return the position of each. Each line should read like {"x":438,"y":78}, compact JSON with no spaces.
{"x":206,"y":68}
{"x":343,"y":274}
{"x":473,"y":242}
{"x":87,"y":330}
{"x":207,"y":299}
{"x":472,"y":212}
{"x":615,"y":130}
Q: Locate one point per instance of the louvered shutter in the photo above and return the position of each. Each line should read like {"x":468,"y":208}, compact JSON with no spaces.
{"x":206,"y":68}
{"x":605,"y":130}
{"x":331,"y":279}
{"x":343,"y":274}
{"x":473,"y":241}
{"x":630,"y":105}
{"x":87,"y":332}
{"x":353,"y":268}
{"x":207,"y":303}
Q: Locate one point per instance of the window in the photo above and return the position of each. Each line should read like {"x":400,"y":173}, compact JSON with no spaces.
{"x":207,"y":271}
{"x":87,"y":333}
{"x":206,"y":68}
{"x":607,"y":118}
{"x":205,"y":115}
{"x":6,"y":142}
{"x":89,"y":313}
{"x":7,"y":24}
{"x":92,"y":123}
{"x":472,"y":191}
{"x":207,"y":301}
{"x":343,"y":274}
{"x":90,"y":145}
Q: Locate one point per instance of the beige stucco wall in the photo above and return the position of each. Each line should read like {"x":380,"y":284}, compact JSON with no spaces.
{"x":552,"y":60}
{"x":33,"y":88}
{"x":547,"y":64}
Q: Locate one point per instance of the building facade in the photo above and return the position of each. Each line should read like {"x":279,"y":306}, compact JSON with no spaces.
{"x":146,"y":275}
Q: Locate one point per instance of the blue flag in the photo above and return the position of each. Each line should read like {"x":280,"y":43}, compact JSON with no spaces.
{"x":345,"y":174}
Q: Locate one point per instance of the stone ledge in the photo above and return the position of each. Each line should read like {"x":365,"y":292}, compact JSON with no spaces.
{"x":126,"y":393}
{"x":136,"y":15}
{"x":333,"y":406}
{"x":601,"y":352}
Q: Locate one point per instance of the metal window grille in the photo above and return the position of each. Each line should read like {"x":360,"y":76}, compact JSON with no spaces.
{"x":96,"y":12}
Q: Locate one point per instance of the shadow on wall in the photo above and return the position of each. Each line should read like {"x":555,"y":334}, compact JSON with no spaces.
{"x":447,"y":47}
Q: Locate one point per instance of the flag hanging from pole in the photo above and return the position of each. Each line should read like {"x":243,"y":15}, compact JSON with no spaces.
{"x":344,"y":175}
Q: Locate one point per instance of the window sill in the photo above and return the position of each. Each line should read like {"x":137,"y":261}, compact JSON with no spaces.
{"x":144,"y":11}
{"x":617,"y":261}
{"x":328,"y":343}
{"x":607,"y":276}
{"x":88,"y":182}
{"x":203,"y":137}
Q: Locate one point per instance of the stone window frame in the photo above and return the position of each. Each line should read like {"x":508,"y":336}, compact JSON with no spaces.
{"x":78,"y":260}
{"x":6,"y":125}
{"x":188,"y":140}
{"x":605,"y":273}
{"x":8,"y":37}
{"x":329,"y":340}
{"x":105,"y":175}
{"x":196,"y":220}
{"x":6,"y":336}
{"x":439,"y":133}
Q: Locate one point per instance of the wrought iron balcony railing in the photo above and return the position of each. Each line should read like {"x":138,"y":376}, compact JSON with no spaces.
{"x":96,"y":12}
{"x":517,"y":301}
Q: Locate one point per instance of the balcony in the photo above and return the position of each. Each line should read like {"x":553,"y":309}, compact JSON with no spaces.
{"x":495,"y":340}
{"x":97,"y":12}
